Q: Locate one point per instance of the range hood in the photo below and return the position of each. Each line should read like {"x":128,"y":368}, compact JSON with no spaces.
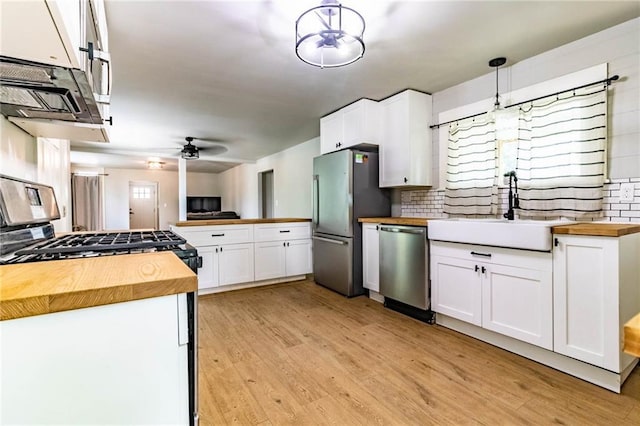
{"x":50,"y":101}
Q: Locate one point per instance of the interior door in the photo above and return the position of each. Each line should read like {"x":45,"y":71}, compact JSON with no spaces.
{"x":333,"y":193}
{"x":143,"y":202}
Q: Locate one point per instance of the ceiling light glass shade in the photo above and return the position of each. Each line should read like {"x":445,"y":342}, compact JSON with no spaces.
{"x":330,"y":35}
{"x":154,"y":165}
{"x":190,"y":153}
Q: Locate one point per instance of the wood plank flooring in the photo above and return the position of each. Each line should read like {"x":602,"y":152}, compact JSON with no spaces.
{"x":300,"y":354}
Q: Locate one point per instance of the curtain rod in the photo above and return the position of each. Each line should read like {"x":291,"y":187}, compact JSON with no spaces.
{"x":608,"y":81}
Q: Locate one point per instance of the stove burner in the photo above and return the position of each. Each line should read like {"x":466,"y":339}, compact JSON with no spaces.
{"x":106,"y":242}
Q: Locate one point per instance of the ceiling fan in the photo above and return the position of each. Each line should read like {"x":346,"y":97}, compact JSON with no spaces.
{"x":192,"y":152}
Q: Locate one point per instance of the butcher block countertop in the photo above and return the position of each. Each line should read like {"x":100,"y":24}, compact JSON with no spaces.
{"x":632,"y":336}
{"x":239,"y":221}
{"x":598,"y":229}
{"x":410,"y":221}
{"x":37,"y":288}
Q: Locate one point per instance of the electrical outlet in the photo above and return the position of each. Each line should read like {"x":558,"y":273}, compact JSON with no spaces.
{"x":626,"y":192}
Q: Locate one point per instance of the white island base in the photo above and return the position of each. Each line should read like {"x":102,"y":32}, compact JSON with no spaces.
{"x":590,"y":373}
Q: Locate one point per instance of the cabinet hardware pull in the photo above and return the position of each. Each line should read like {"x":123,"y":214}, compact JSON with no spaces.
{"x":476,"y":268}
{"x":556,"y":243}
{"x":89,"y":50}
{"x":283,"y":231}
{"x":377,"y":227}
{"x":484,"y":269}
{"x":475,"y":253}
{"x":405,"y":180}
{"x":287,"y":244}
{"x":109,"y":120}
{"x":217,"y":235}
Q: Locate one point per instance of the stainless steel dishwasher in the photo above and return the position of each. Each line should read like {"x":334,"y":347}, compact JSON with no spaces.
{"x":404,"y":266}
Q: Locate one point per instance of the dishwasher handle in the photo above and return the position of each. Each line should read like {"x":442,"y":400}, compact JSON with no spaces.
{"x":403,"y":230}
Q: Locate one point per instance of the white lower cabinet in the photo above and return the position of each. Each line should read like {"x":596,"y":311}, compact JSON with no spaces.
{"x":371,"y":256}
{"x":225,"y":264}
{"x":503,"y":290}
{"x":299,"y":258}
{"x":275,"y":259}
{"x":596,"y":290}
{"x":235,"y":263}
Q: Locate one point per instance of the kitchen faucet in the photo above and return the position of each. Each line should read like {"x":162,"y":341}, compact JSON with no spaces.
{"x":514,"y":201}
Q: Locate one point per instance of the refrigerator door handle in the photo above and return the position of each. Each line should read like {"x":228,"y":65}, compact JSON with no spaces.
{"x":327,"y":240}
{"x":316,"y":200}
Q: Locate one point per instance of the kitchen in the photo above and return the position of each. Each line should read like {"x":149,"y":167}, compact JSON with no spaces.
{"x":238,"y":185}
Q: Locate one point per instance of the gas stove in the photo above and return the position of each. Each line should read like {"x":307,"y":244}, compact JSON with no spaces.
{"x":44,"y":246}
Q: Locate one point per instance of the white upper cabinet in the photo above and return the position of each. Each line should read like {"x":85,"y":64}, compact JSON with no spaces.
{"x":35,"y":31}
{"x":358,"y":123}
{"x":405,"y":155}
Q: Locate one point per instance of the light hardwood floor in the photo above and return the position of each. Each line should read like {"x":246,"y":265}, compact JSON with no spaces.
{"x":300,"y":354}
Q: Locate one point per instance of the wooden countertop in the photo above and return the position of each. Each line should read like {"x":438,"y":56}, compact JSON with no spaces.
{"x":410,"y":221}
{"x":632,"y":336}
{"x":598,"y":229}
{"x":60,"y":285}
{"x":239,"y":221}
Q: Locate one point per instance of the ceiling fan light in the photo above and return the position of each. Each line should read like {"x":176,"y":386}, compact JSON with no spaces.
{"x":330,"y":35}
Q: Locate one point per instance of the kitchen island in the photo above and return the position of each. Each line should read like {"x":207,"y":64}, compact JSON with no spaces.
{"x":101,"y":340}
{"x":240,"y":253}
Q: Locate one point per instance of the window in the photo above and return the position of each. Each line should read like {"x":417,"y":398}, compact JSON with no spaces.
{"x":141,"y":192}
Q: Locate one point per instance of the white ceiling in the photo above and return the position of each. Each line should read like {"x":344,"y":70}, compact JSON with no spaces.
{"x":227,"y":70}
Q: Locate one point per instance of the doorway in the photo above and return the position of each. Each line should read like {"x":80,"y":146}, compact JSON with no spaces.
{"x":265,"y":187}
{"x":143,"y":205}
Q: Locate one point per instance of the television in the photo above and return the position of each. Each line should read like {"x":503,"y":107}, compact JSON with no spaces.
{"x":203,"y":204}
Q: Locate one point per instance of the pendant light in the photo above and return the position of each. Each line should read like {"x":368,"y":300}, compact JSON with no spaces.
{"x":330,"y":35}
{"x":497,"y":63}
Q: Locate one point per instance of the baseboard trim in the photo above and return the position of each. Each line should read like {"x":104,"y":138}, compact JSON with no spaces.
{"x":240,"y":286}
{"x":590,"y":373}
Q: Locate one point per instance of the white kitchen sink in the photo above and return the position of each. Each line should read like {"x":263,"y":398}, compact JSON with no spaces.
{"x":519,"y":234}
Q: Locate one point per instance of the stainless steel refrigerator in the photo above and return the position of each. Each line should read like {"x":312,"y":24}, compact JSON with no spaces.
{"x":345,"y":188}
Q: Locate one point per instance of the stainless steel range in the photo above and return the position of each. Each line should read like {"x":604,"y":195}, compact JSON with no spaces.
{"x":26,"y":235}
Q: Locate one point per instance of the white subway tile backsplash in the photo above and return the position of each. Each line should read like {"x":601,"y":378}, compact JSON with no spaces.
{"x":430,"y":203}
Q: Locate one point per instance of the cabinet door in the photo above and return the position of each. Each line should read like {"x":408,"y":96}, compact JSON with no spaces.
{"x":270,"y":260}
{"x":394,"y":152}
{"x":456,"y":288}
{"x":518,"y":302}
{"x":330,"y":132}
{"x":298,"y":257}
{"x":353,"y":124}
{"x":236,"y":263}
{"x":586,"y":324}
{"x":208,"y":273}
{"x":405,"y":155}
{"x":371,"y":256}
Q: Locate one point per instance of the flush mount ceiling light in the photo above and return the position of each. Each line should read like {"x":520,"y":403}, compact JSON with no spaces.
{"x":189,"y":151}
{"x":155,"y":165}
{"x":330,"y":35}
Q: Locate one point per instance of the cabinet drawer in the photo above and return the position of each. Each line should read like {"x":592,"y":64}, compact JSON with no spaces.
{"x":215,"y":235}
{"x":494,"y":255}
{"x":282,"y":231}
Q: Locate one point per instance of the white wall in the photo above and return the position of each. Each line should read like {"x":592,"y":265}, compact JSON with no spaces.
{"x":619,"y":46}
{"x":203,"y":184}
{"x":292,"y":174}
{"x":116,"y":194}
{"x":18,"y":152}
{"x":239,"y":190}
{"x":292,"y":178}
